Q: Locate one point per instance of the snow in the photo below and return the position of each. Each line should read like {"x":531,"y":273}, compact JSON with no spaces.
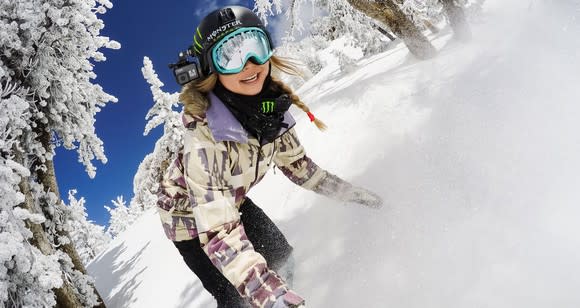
{"x":141,"y":268}
{"x":475,"y":153}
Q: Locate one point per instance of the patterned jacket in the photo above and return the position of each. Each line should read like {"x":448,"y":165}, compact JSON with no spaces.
{"x":204,"y":187}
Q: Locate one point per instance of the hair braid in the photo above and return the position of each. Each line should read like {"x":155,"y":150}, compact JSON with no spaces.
{"x":296,"y":101}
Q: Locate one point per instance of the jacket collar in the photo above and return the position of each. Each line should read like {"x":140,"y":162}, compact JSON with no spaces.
{"x":225,"y":127}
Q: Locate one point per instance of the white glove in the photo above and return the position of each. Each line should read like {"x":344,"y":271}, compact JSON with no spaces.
{"x":339,"y":189}
{"x":362,"y":196}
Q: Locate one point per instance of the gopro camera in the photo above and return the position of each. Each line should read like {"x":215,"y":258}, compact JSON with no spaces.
{"x":186,"y":70}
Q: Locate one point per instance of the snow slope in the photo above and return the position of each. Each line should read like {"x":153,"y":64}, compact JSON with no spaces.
{"x":476,"y":154}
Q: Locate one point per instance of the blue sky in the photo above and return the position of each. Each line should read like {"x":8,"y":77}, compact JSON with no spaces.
{"x":143,"y":29}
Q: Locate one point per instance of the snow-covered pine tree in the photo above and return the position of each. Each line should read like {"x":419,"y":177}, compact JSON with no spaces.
{"x":89,"y":238}
{"x":24,"y":268}
{"x":148,"y":176}
{"x":457,"y":20}
{"x":337,"y":20}
{"x":151,"y":169}
{"x":343,"y":20}
{"x":424,"y":13}
{"x":389,"y":13}
{"x":120,"y":217}
{"x":46,"y":49}
{"x":386,"y":12}
{"x":265,"y":8}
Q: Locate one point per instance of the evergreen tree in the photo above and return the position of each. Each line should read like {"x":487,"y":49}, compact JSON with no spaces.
{"x":162,"y":113}
{"x":89,"y":239}
{"x":389,"y":13}
{"x":424,"y":13}
{"x":457,"y":19}
{"x":48,"y":99}
{"x":121,"y":218}
{"x":385,"y":12}
{"x":151,"y":169}
{"x":343,"y":20}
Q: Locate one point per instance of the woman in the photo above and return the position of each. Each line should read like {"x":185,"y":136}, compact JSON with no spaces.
{"x":238,"y":126}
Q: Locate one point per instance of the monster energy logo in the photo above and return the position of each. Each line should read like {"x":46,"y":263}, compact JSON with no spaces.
{"x":217,"y":32}
{"x":267,"y":106}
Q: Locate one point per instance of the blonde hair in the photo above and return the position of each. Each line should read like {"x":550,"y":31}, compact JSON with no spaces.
{"x":194,"y":94}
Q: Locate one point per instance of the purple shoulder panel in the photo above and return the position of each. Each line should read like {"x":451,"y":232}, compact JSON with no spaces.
{"x":222,"y":123}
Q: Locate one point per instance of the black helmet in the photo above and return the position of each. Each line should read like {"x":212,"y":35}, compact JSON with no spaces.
{"x":216,"y":25}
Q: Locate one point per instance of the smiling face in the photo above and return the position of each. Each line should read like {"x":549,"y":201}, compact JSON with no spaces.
{"x":247,"y":82}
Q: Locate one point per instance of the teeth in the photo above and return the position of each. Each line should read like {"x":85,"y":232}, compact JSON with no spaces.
{"x":251,"y":78}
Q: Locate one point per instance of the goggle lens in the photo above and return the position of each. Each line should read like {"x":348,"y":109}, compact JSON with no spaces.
{"x":233,"y":51}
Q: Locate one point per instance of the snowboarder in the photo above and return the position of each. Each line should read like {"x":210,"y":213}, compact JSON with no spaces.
{"x":238,"y":125}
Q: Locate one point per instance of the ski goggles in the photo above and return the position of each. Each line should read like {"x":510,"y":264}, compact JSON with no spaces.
{"x":230,"y":54}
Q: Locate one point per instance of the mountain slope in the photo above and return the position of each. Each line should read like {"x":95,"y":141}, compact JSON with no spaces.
{"x":475,"y":154}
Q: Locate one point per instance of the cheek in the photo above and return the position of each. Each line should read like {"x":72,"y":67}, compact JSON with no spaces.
{"x":229,"y":82}
{"x":265,"y":67}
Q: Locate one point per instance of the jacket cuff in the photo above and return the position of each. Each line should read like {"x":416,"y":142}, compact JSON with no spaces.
{"x":290,"y":299}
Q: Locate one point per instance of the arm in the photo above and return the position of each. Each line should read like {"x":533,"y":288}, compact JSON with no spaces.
{"x":172,"y":194}
{"x":221,"y":234}
{"x":291,"y":159}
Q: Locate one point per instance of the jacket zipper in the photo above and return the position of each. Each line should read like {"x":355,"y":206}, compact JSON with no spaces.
{"x":260,"y":152}
{"x":258,"y":161}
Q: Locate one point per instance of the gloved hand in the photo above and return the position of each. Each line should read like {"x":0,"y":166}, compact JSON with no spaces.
{"x":362,"y":196}
{"x":339,"y":189}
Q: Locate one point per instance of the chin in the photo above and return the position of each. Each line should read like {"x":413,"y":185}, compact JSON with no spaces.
{"x":254,"y":92}
{"x":253,"y":89}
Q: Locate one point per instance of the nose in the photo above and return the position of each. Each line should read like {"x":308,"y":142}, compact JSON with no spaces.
{"x":249,"y":64}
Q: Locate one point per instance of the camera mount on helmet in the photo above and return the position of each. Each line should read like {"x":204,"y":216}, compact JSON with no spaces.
{"x":186,"y":68}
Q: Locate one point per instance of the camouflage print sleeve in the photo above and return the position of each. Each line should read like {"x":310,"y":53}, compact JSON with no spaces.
{"x":291,"y":159}
{"x":172,"y":195}
{"x":212,"y":197}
